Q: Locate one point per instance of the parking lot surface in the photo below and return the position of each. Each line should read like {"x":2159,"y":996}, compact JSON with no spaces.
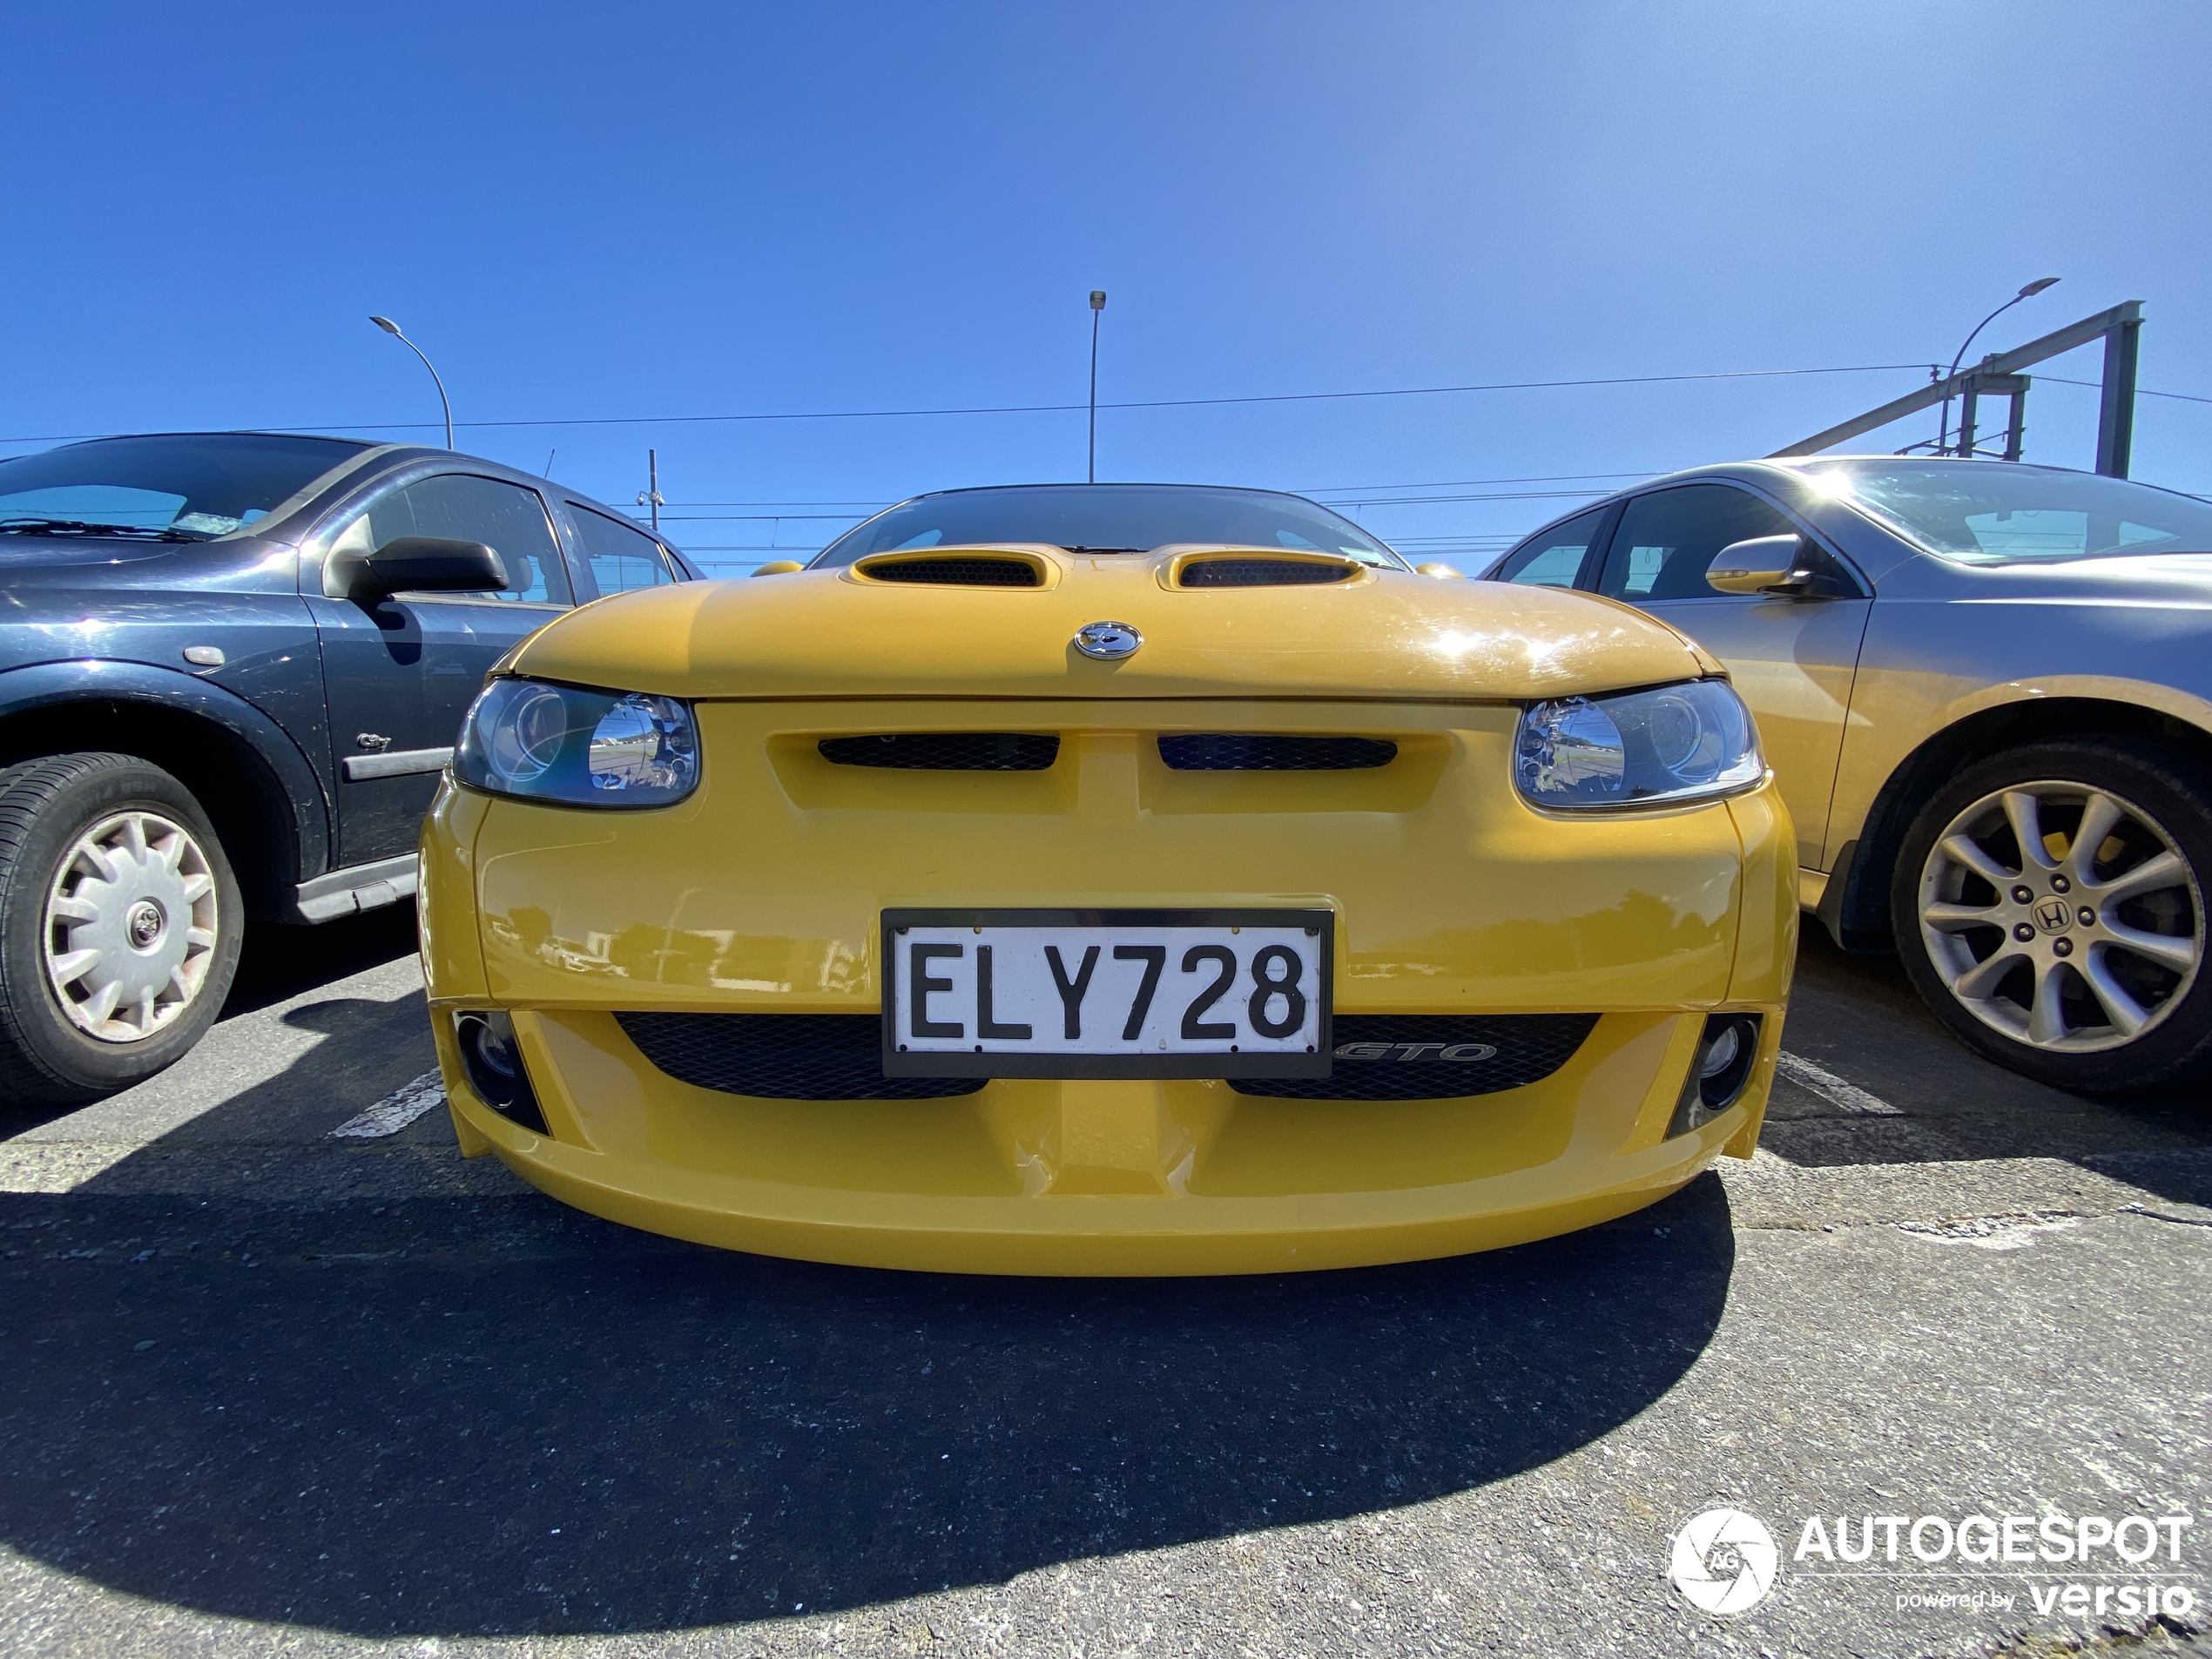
{"x":269,"y":1389}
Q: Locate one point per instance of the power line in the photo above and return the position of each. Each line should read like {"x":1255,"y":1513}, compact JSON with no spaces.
{"x":2141,"y":391}
{"x":1462,"y":483}
{"x":1372,"y":500}
{"x":1042,"y":408}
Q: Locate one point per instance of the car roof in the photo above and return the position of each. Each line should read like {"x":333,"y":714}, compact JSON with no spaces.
{"x":349,"y":445}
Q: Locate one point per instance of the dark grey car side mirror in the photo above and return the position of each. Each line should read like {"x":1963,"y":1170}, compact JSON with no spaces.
{"x":426,"y":564}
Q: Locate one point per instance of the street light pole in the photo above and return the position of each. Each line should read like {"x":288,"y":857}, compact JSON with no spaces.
{"x":393,"y":329}
{"x":1098,"y":305}
{"x":1942,"y":427}
{"x":649,"y":496}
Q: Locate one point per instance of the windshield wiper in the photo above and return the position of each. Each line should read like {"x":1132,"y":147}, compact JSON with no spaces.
{"x":80,"y":527}
{"x":1106,"y":550}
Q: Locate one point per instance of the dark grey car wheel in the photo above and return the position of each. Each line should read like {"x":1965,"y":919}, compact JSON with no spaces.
{"x":2050,"y":905}
{"x":119,"y":925}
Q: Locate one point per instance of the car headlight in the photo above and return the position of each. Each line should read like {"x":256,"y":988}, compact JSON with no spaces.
{"x":1680,"y":742}
{"x":560,"y":743}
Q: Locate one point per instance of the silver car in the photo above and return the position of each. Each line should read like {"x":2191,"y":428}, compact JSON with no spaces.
{"x":1985,"y":689}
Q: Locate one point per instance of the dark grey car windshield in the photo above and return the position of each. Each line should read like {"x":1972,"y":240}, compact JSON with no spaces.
{"x":1983,"y":512}
{"x":1116,"y":518}
{"x":194,"y":485}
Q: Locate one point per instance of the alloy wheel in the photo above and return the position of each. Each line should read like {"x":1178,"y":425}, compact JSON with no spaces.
{"x":131,"y":927}
{"x":2062,"y":916}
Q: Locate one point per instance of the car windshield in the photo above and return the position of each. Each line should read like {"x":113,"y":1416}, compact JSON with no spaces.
{"x":1994,"y":512}
{"x":189,"y":487}
{"x":1108,"y":518}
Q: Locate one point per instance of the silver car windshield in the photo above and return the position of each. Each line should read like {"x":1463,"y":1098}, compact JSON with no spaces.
{"x":1982,"y":512}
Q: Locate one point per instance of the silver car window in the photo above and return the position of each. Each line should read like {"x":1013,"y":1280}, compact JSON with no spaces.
{"x":1553,"y":559}
{"x":1668,"y":539}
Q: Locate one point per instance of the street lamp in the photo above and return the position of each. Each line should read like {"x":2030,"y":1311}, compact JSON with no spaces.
{"x":393,"y":329}
{"x":1943,"y":429}
{"x":1098,"y":305}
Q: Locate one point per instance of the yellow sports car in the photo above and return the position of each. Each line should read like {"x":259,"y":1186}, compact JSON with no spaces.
{"x":1105,"y":880}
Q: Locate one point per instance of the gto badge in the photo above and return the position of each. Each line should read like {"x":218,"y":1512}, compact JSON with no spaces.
{"x":1460,"y":1053}
{"x":1108,"y":641}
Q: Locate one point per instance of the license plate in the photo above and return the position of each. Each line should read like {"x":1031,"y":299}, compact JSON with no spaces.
{"x":1107,"y":992}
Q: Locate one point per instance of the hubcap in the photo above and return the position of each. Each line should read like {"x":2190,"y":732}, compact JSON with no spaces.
{"x":131,"y":927}
{"x":2063,"y":916}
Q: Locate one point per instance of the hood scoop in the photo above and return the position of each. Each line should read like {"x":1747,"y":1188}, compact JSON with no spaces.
{"x":968,"y":571}
{"x":1262,"y":572}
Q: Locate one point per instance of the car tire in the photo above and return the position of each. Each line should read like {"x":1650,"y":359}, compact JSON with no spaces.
{"x":120,"y":922}
{"x":1995,"y":939}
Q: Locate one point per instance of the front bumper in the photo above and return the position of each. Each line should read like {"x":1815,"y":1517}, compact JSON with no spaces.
{"x":761,"y":895}
{"x":1108,"y":1177}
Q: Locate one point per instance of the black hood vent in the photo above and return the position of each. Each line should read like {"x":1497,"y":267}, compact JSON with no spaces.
{"x":1269,"y":751}
{"x":1262,"y":573}
{"x":957,"y":573}
{"x":945,"y":750}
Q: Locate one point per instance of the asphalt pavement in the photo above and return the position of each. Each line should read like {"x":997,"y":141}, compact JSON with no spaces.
{"x":270,"y":1389}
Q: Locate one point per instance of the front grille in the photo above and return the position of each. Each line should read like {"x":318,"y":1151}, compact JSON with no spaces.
{"x":1266,"y":751}
{"x":945,"y":750}
{"x":958,"y":573}
{"x":1524,"y":1048}
{"x":781,"y":1056}
{"x":1262,"y":573}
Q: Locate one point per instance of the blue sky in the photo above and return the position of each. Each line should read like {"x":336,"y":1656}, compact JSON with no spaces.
{"x":656,"y":211}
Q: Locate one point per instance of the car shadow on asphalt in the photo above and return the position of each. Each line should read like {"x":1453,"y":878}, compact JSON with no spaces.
{"x":371,"y":1425}
{"x":279,"y":963}
{"x":1858,"y":1017}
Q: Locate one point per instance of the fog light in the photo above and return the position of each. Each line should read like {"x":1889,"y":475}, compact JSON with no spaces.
{"x":494,"y":1062}
{"x":1725,"y":1050}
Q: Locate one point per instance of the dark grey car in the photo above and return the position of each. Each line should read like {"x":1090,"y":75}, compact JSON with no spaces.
{"x":232,"y":667}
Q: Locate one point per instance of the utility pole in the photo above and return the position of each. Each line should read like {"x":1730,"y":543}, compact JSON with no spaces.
{"x":1098,"y":305}
{"x":649,"y":496}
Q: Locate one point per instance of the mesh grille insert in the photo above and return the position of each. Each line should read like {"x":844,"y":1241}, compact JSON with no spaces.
{"x":1402,"y":1056}
{"x":781,"y":1056}
{"x":1266,"y":751}
{"x":958,"y":573}
{"x":945,"y":750}
{"x":1261,"y":573}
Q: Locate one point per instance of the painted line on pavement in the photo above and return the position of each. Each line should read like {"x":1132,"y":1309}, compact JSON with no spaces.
{"x":1832,"y":1089}
{"x":396,"y":1111}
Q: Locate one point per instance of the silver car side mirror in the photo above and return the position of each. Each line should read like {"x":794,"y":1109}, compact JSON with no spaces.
{"x":1762,"y":564}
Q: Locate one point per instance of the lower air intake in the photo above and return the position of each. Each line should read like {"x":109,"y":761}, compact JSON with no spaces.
{"x":781,"y":1056}
{"x":1267,"y":752}
{"x":1419,"y":1056}
{"x":1262,"y":573}
{"x":957,"y":573}
{"x":945,"y":750}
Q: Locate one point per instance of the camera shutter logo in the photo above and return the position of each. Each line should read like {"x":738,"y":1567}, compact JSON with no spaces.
{"x":1725,"y":1560}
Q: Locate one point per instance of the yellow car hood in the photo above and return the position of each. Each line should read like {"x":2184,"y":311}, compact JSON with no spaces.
{"x":1384,"y":634}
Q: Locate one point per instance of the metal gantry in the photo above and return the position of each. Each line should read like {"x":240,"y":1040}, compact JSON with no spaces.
{"x":1998,"y":376}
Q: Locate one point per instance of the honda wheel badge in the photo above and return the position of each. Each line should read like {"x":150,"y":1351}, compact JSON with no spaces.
{"x":1109,"y":641}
